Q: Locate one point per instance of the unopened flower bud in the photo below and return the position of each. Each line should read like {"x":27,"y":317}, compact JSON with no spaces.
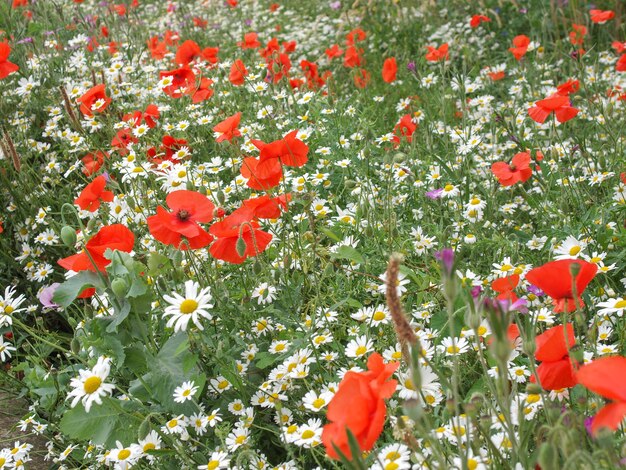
{"x":68,"y":236}
{"x":119,"y":286}
{"x":548,"y":457}
{"x":241,"y":246}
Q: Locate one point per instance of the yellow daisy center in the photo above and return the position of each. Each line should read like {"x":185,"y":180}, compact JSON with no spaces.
{"x":188,"y":306}
{"x":92,"y":384}
{"x":124,"y":454}
{"x":318,"y":403}
{"x":308,"y":434}
{"x":573,"y":251}
{"x":379,"y":315}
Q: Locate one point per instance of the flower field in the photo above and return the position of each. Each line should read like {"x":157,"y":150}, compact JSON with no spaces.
{"x":313,"y":235}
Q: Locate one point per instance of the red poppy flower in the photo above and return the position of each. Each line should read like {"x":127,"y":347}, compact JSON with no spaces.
{"x":518,"y":171}
{"x":352,"y":57}
{"x":555,"y":279}
{"x":620,"y":65}
{"x":558,"y":104}
{"x":405,"y":128}
{"x":158,"y":49}
{"x":606,"y":376}
{"x":333,"y":51}
{"x":91,"y":196}
{"x":272,"y":47}
{"x":265,"y":207}
{"x":577,"y":35}
{"x":495,"y":76}
{"x":188,"y":208}
{"x":520,"y":46}
{"x":182,"y":81}
{"x":238,"y":72}
{"x":290,"y":150}
{"x":477,"y":19}
{"x":203,"y":92}
{"x":171,"y":146}
{"x":390,"y":70}
{"x":94,"y":100}
{"x":437,"y":54}
{"x":187,"y":52}
{"x":6,"y":67}
{"x":313,"y":79}
{"x":267,"y":177}
{"x":278,"y":67}
{"x":362,"y":78}
{"x":250,"y":41}
{"x":354,"y":36}
{"x":114,"y":237}
{"x":93,"y":161}
{"x":149,"y":116}
{"x":122,"y":140}
{"x":567,"y":88}
{"x":228,"y":128}
{"x":618,"y":46}
{"x":504,"y":286}
{"x":237,"y":226}
{"x":201,"y":23}
{"x":359,"y":406}
{"x":556,"y":370}
{"x":601,"y":16}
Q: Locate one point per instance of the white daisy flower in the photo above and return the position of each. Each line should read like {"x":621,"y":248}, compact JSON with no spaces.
{"x":185,"y":392}
{"x":190,"y":307}
{"x":90,"y":386}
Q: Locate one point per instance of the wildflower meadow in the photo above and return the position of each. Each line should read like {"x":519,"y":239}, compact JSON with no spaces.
{"x":362,"y":234}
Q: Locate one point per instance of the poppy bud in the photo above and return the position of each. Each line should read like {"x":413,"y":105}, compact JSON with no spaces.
{"x":574,"y":269}
{"x":548,"y":457}
{"x":369,"y":231}
{"x":533,"y":388}
{"x":472,"y":319}
{"x":349,"y":184}
{"x":91,"y":224}
{"x":202,"y":190}
{"x":577,"y":354}
{"x":501,"y":350}
{"x":257,"y":268}
{"x":75,"y":346}
{"x":241,"y":247}
{"x":530,"y":347}
{"x":399,"y":157}
{"x":190,"y":186}
{"x":119,"y":287}
{"x":221,"y":197}
{"x":68,"y":236}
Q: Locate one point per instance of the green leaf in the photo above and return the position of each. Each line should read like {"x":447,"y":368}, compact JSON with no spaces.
{"x":104,"y":424}
{"x":265,"y":359}
{"x":173,"y":365}
{"x":65,"y":294}
{"x":349,"y":253}
{"x":121,"y":312}
{"x":157,"y":263}
{"x":330,"y":234}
